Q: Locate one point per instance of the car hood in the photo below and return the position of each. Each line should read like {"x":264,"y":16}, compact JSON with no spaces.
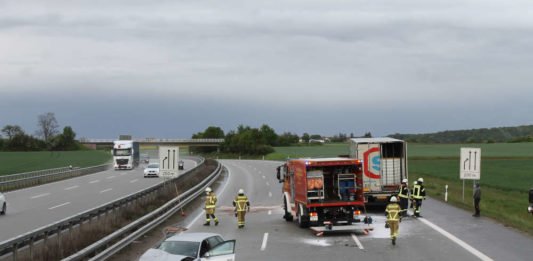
{"x":160,"y":255}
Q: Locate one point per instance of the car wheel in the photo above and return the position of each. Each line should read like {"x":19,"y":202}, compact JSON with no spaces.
{"x":4,"y":209}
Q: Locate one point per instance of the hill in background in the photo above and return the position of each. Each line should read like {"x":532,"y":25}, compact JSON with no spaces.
{"x":500,"y":134}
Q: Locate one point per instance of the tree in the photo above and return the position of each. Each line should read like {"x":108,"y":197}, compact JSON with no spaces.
{"x":211,"y":132}
{"x":65,"y":141}
{"x":305,"y":137}
{"x":287,"y":139}
{"x":269,"y":135}
{"x":12,"y":130}
{"x":47,"y":124}
{"x":368,"y":135}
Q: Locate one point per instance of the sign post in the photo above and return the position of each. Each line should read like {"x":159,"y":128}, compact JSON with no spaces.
{"x":470,"y":165}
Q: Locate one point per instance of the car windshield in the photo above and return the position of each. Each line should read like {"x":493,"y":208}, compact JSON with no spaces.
{"x":153,"y":166}
{"x":184,"y":248}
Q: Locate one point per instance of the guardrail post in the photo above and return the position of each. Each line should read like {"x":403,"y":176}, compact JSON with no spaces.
{"x":45,"y":246}
{"x":59,"y":246}
{"x":15,"y":252}
{"x":31,"y":248}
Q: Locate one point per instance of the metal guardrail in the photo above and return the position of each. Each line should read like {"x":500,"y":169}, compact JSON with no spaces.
{"x":142,"y":225}
{"x":43,"y":233}
{"x":28,"y":179}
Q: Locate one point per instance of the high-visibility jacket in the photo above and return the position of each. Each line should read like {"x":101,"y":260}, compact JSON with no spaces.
{"x":210,"y":201}
{"x":404,"y":192}
{"x":419,"y":192}
{"x":393,"y":210}
{"x":241,"y":203}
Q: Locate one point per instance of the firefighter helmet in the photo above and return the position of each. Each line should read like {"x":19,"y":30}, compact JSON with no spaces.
{"x":404,"y":181}
{"x":421,"y":180}
{"x":393,"y":199}
{"x":208,"y":189}
{"x":241,"y":191}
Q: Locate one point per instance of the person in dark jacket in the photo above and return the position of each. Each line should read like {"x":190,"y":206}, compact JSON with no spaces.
{"x":477,"y":198}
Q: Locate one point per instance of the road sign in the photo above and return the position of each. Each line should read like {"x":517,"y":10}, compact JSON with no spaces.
{"x":168,"y":161}
{"x":470,"y":163}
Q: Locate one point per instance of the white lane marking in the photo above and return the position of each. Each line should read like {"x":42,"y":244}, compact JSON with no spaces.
{"x":456,"y":240}
{"x":73,"y":187}
{"x":40,"y":195}
{"x":359,"y":245}
{"x":133,"y":181}
{"x":122,"y":174}
{"x":270,"y":212}
{"x":64,"y":204}
{"x":264,"y":177}
{"x":268,"y":184}
{"x":105,"y":190}
{"x":218,"y":195}
{"x":94,"y":181}
{"x":110,"y":177}
{"x":265,"y":239}
{"x":270,"y":194}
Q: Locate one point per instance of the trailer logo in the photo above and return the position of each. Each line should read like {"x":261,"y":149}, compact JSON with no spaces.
{"x":372,"y":160}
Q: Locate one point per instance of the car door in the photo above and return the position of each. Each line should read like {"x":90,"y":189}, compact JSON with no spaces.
{"x":224,"y":251}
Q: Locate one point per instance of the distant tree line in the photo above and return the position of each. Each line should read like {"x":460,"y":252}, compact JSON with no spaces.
{"x":246,"y":140}
{"x":490,"y":135}
{"x":47,"y":137}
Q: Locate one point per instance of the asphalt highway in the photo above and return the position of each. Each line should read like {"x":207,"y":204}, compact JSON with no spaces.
{"x":34,"y":207}
{"x":444,"y":233}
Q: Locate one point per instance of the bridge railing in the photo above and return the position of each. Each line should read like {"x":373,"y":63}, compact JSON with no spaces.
{"x":154,"y":140}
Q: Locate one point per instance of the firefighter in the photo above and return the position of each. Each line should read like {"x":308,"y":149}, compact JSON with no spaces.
{"x":393,"y":218}
{"x":210,"y":202}
{"x":404,"y":197}
{"x":242,"y":205}
{"x":419,"y":194}
{"x":411,"y":198}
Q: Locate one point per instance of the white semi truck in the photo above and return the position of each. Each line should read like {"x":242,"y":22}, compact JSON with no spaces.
{"x":125,"y":154}
{"x":384,"y":166}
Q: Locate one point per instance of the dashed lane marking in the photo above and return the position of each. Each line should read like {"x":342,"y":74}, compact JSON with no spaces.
{"x":73,"y":187}
{"x":105,"y":190}
{"x":133,"y":181}
{"x":94,"y":181}
{"x":40,"y":195}
{"x":60,"y":205}
{"x":110,"y":177}
{"x":359,"y":245}
{"x":264,"y":244}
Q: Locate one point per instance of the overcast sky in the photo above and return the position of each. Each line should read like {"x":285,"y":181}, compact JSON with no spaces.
{"x":172,"y":68}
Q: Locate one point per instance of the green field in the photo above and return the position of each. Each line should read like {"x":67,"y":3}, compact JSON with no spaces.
{"x":506,"y":175}
{"x":18,"y":162}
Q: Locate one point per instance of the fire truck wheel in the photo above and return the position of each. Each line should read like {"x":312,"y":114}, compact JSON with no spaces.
{"x":302,"y":220}
{"x":288,"y":216}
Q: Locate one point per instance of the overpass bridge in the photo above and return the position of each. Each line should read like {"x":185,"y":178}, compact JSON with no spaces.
{"x":93,"y":143}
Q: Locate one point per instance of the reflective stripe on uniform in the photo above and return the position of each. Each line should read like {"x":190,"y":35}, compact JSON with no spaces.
{"x":392,"y":211}
{"x":241,"y":203}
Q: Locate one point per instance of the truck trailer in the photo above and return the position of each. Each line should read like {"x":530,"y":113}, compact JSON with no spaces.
{"x":325,"y":194}
{"x":125,"y":154}
{"x":384,"y":166}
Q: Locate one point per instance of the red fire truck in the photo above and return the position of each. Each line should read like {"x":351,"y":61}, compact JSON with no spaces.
{"x":324,"y":194}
